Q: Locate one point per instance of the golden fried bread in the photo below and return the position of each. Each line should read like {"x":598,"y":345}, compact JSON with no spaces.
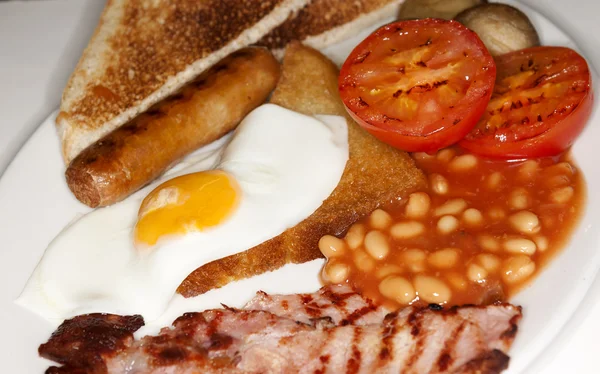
{"x":376,"y":174}
{"x":144,"y":50}
{"x":324,"y":22}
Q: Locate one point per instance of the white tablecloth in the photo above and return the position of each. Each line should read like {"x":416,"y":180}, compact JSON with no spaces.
{"x":40,"y":42}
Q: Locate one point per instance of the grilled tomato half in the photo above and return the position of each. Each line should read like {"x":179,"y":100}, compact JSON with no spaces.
{"x":418,"y":85}
{"x":541,"y":102}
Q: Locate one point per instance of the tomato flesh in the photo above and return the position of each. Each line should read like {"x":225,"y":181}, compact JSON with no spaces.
{"x":541,"y":101}
{"x":418,"y":85}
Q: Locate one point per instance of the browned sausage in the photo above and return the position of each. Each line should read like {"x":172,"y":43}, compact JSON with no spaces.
{"x":204,"y":110}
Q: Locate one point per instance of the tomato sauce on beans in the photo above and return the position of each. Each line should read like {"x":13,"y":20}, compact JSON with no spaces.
{"x":479,"y":232}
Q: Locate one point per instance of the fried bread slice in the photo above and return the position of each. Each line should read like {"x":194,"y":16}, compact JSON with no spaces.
{"x":144,"y":50}
{"x":375,"y":175}
{"x":325,"y":22}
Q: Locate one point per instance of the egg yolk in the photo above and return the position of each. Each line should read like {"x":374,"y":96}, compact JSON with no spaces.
{"x":191,"y":202}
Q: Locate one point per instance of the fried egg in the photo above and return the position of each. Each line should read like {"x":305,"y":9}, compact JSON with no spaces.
{"x":275,"y":171}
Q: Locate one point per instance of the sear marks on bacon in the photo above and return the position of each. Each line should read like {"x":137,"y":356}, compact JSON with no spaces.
{"x":82,"y":344}
{"x":461,"y":340}
{"x":339,"y":303}
{"x":316,"y":333}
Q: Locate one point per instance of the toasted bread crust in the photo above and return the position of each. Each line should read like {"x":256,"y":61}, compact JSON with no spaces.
{"x":143,"y":50}
{"x":323,"y":16}
{"x":375,"y":175}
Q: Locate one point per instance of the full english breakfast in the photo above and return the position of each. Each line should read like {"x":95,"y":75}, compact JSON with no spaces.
{"x":432,"y":172}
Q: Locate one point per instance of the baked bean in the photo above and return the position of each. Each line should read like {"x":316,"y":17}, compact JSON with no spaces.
{"x":517,"y":268}
{"x":488,"y":261}
{"x":494,"y":180}
{"x":463,"y":163}
{"x":407,"y":230}
{"x":520,"y":245}
{"x":452,"y":206}
{"x":439,"y":184}
{"x":528,"y":169}
{"x":330,"y":246}
{"x":363,"y":261}
{"x":355,"y":236}
{"x":418,"y":205}
{"x":398,"y":289}
{"x":519,"y":199}
{"x":445,"y":155}
{"x":414,"y":260}
{"x":447,"y":224}
{"x":444,"y":258}
{"x":386,"y":270}
{"x":562,"y":168}
{"x":562,"y":195}
{"x":380,"y":219}
{"x":472,"y":217}
{"x":541,"y":242}
{"x":525,"y":222}
{"x":456,"y":281}
{"x":496,"y":213}
{"x":336,"y":272}
{"x":489,"y":243}
{"x":422,"y":156}
{"x":557,"y":181}
{"x":476,"y":273}
{"x":431,"y":289}
{"x":376,"y":244}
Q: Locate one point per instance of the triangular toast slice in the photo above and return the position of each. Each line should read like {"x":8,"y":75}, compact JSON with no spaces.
{"x":144,"y":50}
{"x":375,"y":175}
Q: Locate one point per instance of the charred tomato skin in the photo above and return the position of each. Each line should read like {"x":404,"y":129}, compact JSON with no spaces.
{"x":418,"y":64}
{"x":542,"y":101}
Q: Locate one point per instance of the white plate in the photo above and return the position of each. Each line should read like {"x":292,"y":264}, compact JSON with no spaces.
{"x":35,"y":205}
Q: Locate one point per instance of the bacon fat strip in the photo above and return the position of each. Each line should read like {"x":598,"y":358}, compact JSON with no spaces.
{"x":207,"y":108}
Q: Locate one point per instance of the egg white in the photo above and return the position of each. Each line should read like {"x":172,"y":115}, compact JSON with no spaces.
{"x":286,"y":165}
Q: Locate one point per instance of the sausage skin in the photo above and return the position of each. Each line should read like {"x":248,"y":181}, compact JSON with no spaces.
{"x":207,"y":108}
